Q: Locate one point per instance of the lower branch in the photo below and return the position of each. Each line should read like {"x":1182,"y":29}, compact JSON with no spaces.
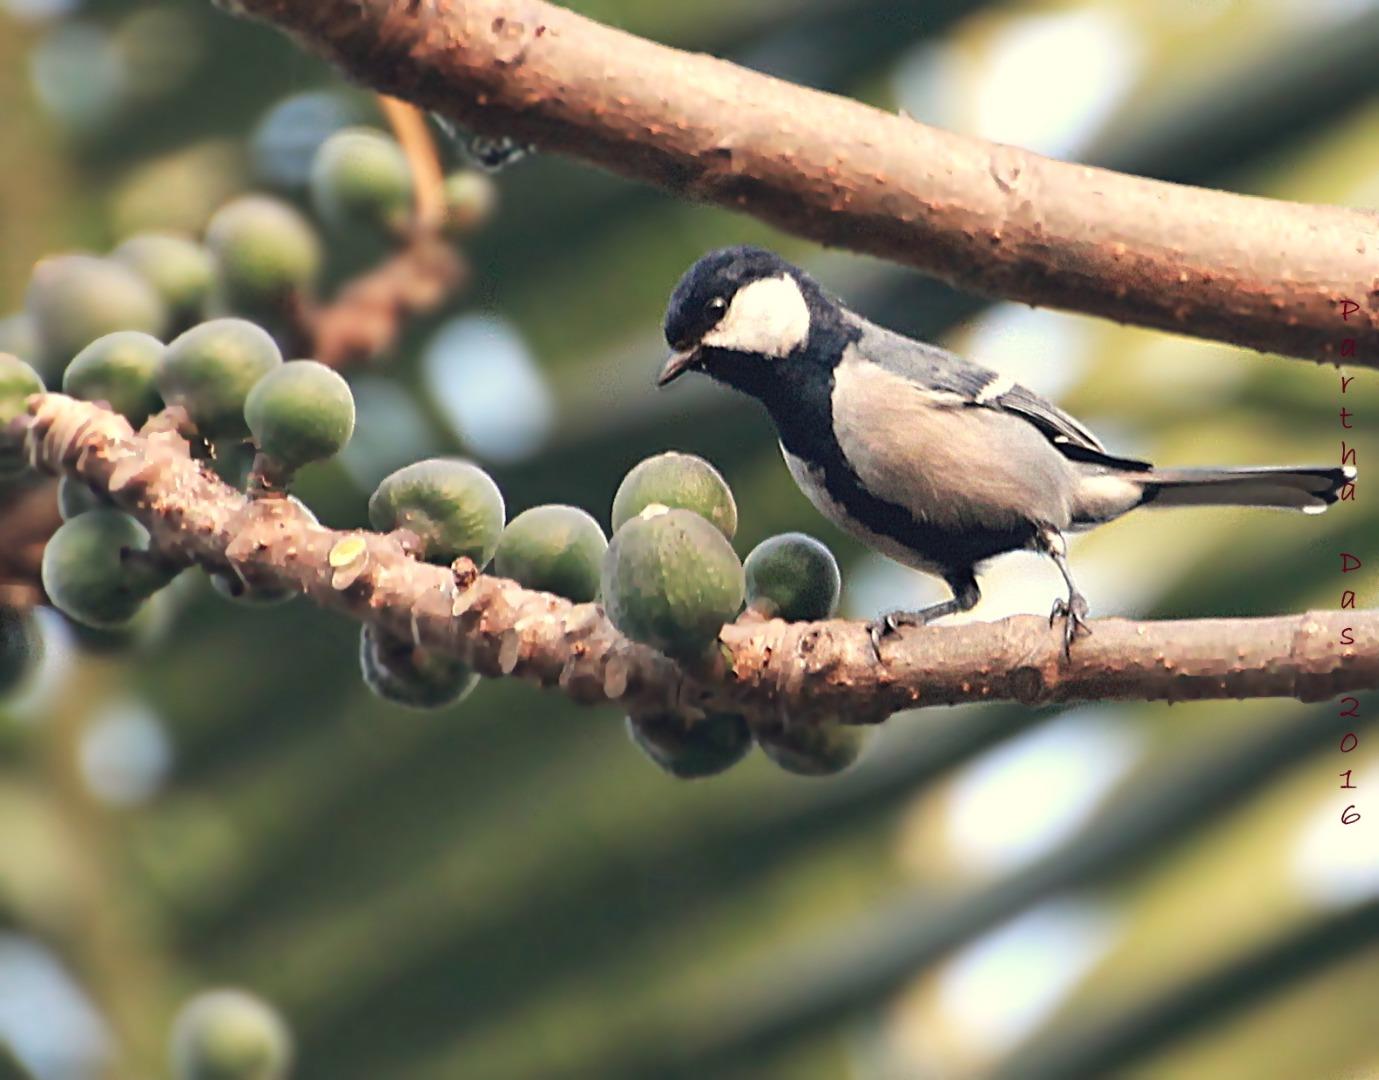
{"x":764,"y":670}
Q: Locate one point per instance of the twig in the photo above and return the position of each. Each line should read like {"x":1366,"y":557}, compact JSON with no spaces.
{"x":994,"y":219}
{"x":409,"y":128}
{"x":369,"y":313}
{"x":765,"y":670}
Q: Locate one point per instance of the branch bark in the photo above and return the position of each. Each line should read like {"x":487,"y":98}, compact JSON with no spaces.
{"x":765,"y":669}
{"x":990,"y":218}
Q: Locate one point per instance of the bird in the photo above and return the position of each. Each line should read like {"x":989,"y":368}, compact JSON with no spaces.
{"x":928,"y":458}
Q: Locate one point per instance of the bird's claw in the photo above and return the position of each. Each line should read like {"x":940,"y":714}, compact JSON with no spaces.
{"x":1074,"y":611}
{"x":888,"y":624}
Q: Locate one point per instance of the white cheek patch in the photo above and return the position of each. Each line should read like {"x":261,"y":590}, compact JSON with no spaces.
{"x":769,"y":317}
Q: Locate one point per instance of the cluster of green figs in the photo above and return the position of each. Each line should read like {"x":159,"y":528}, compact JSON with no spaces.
{"x":669,"y":579}
{"x":166,"y":320}
{"x":163,"y":317}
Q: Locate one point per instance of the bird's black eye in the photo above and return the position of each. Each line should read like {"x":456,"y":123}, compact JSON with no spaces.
{"x":716,"y":307}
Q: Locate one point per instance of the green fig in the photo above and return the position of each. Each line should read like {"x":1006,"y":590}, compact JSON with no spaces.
{"x":300,"y":412}
{"x":229,"y":1035}
{"x":453,"y":507}
{"x":118,"y":369}
{"x":74,"y":299}
{"x":360,"y":176}
{"x":265,"y":252}
{"x":671,"y":580}
{"x":180,"y":270}
{"x":18,"y":382}
{"x":816,"y":748}
{"x":678,"y":481}
{"x":210,"y":369}
{"x":98,"y":568}
{"x":792,"y":577}
{"x":406,"y":674}
{"x":690,"y":749}
{"x":75,"y":497}
{"x":471,"y":198}
{"x":556,"y":549}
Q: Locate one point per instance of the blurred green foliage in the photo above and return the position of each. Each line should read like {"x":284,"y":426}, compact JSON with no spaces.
{"x":508,"y":889}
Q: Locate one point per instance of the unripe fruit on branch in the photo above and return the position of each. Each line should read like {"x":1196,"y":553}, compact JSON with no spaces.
{"x":454,"y":508}
{"x":792,"y":577}
{"x":671,"y":580}
{"x":555,"y":549}
{"x":180,"y":270}
{"x":210,"y":369}
{"x":689,"y":749}
{"x":360,"y":177}
{"x":74,"y":299}
{"x":118,"y":369}
{"x":812,"y":748}
{"x":229,"y":1035}
{"x":470,"y":201}
{"x":18,"y":382}
{"x":265,"y":251}
{"x":300,"y":412}
{"x":75,"y":497}
{"x":406,"y":674}
{"x":98,"y":568}
{"x":678,"y":481}
{"x":145,"y":631}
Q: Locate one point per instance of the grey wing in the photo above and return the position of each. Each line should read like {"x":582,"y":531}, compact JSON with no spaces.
{"x":944,"y":373}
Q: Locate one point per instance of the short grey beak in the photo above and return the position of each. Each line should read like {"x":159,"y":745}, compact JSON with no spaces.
{"x":677,"y":364}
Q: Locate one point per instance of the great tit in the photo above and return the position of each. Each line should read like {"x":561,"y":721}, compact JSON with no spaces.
{"x":934,"y":461}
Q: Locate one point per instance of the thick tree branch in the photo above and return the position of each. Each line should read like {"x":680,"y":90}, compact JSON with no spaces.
{"x":765,"y":669}
{"x":990,"y":218}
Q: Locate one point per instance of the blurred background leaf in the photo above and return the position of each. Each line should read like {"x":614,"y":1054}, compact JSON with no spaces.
{"x":508,"y":889}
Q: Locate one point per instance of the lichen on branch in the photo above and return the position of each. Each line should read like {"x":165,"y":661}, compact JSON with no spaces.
{"x":765,"y":669}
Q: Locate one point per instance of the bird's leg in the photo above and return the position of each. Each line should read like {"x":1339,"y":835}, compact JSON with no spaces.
{"x":964,"y":598}
{"x":1074,"y":609}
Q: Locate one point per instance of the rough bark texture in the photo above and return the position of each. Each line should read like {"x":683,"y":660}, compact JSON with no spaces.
{"x":990,"y":218}
{"x":766,"y":669}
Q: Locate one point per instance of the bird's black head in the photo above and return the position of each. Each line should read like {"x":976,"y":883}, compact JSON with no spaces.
{"x":739,"y":311}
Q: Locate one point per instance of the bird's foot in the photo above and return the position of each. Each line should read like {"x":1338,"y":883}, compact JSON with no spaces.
{"x":1074,"y":611}
{"x":888,"y":624}
{"x":891,"y":623}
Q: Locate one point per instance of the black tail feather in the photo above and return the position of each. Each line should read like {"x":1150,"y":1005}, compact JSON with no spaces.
{"x":1306,"y":489}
